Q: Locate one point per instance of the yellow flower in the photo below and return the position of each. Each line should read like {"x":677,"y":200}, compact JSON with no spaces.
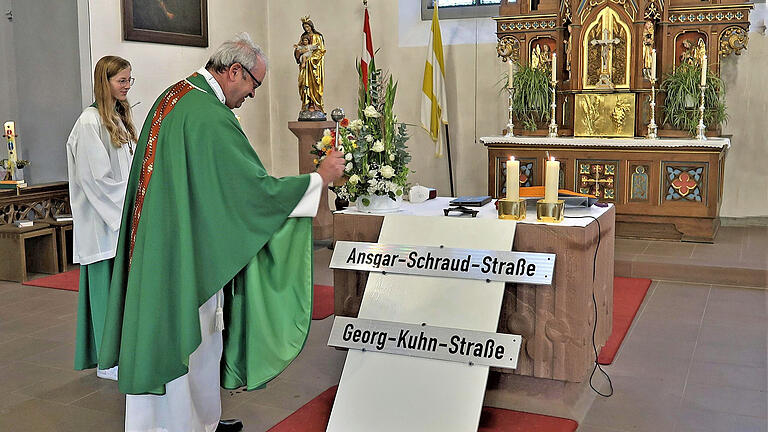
{"x":315,"y":161}
{"x":326,"y":139}
{"x":354,"y":145}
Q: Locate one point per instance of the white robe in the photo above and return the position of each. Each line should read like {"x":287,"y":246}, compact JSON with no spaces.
{"x":192,"y":402}
{"x":98,"y":174}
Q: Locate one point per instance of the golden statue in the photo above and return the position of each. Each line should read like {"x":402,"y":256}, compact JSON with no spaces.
{"x":309,"y":53}
{"x":648,"y":42}
{"x":693,"y":54}
{"x":541,"y":57}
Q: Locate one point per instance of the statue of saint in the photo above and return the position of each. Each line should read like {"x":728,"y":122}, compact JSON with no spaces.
{"x":309,"y":53}
{"x":648,"y":42}
{"x":693,"y":54}
{"x":541,"y":57}
{"x":568,"y":47}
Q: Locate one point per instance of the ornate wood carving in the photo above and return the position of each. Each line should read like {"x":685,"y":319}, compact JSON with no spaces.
{"x":35,"y":203}
{"x":598,"y":178}
{"x":508,"y":47}
{"x":684,"y":183}
{"x":732,"y":41}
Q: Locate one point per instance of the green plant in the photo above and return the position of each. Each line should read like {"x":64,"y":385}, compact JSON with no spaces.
{"x":531,"y":95}
{"x":683,"y":83}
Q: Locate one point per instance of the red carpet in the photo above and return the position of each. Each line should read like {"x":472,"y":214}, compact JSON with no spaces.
{"x":69,"y":281}
{"x":322,"y":304}
{"x":315,"y":414}
{"x":628,"y":294}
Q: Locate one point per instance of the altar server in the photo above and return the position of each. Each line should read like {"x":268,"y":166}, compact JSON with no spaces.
{"x":99,"y":153}
{"x":209,"y":240}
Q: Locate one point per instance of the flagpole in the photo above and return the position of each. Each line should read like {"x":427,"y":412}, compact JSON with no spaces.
{"x":450,"y":166}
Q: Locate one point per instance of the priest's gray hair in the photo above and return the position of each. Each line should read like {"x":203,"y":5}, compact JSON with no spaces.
{"x":240,"y":49}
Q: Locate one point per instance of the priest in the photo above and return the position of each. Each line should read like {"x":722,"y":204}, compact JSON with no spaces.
{"x":212,"y":281}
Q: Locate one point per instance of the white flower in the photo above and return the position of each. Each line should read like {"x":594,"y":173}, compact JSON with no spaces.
{"x":391,"y":157}
{"x":356,"y":125}
{"x":370,"y":111}
{"x":348,"y":167}
{"x":327,"y":132}
{"x":319,"y":145}
{"x":354,"y":179}
{"x":372,"y":173}
{"x":369,"y":138}
{"x":378,"y":146}
{"x":348,"y":156}
{"x":387,"y":171}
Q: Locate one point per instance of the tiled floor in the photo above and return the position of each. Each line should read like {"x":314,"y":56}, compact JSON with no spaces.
{"x":694,"y":361}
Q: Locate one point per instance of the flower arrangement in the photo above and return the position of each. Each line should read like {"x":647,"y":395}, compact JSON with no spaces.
{"x":373,"y":145}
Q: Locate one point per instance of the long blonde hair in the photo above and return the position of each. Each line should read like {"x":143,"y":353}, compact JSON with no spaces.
{"x":111,"y":110}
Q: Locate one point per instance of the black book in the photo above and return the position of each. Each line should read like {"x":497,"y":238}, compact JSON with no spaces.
{"x":471,"y":201}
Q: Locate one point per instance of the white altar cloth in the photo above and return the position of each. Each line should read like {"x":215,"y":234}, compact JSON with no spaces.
{"x":434,"y":207}
{"x":608,"y":142}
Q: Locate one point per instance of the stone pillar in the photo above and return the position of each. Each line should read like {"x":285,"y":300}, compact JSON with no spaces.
{"x":309,"y":133}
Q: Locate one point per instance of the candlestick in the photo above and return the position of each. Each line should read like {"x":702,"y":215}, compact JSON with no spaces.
{"x":701,"y":127}
{"x":704,"y":70}
{"x":552,"y":122}
{"x":552,"y":180}
{"x":513,"y":179}
{"x":653,"y":64}
{"x":652,"y":127}
{"x":510,"y":126}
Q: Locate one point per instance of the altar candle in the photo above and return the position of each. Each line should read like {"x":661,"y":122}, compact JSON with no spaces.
{"x":554,"y":66}
{"x":513,"y":179}
{"x":653,"y":64}
{"x":552,"y":180}
{"x":704,"y":70}
{"x":511,"y":72}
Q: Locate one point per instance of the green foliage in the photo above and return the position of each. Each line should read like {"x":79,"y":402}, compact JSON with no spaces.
{"x":683,"y":83}
{"x":531,"y":95}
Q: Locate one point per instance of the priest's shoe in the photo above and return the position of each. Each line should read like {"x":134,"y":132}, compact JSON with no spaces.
{"x":233,"y":425}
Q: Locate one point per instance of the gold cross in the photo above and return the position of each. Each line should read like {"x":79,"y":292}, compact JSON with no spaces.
{"x":598,"y":180}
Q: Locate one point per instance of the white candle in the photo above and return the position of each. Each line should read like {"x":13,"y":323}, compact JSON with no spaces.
{"x":554,"y":66}
{"x":511,"y":72}
{"x":513,"y":179}
{"x":704,"y":70}
{"x":653,"y":64}
{"x":552,"y":180}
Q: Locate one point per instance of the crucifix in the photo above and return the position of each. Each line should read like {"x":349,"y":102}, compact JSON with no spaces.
{"x":605,"y":58}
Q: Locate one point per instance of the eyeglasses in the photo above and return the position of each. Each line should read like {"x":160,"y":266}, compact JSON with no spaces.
{"x":257,"y":82}
{"x":125,"y":82}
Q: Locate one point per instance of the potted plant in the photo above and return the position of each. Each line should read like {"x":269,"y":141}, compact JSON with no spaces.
{"x":531,"y":96}
{"x":681,"y":103}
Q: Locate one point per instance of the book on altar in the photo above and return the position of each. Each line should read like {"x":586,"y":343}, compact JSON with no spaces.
{"x":572,"y":199}
{"x":23,"y":223}
{"x":63,"y":218}
{"x":471,"y":201}
{"x":12,"y":184}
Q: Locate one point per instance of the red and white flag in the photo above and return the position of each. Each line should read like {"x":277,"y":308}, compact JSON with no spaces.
{"x":367,"y":56}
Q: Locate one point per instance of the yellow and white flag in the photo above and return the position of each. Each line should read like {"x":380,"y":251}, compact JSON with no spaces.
{"x":433,"y":100}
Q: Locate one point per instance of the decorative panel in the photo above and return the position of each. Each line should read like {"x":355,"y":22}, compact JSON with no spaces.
{"x":684,"y":183}
{"x":638,"y":182}
{"x":527,"y":170}
{"x":598,"y":178}
{"x":605,"y":115}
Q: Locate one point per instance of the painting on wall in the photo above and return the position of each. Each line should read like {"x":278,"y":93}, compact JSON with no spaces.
{"x":177,"y":22}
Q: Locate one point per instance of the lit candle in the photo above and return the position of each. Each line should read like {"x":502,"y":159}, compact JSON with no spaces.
{"x":552,"y":181}
{"x":554,"y":66}
{"x":704,"y":70}
{"x":653,"y":64}
{"x":511,"y":72}
{"x":513,"y":179}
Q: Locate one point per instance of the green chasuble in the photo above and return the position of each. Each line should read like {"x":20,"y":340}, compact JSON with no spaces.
{"x":201,"y":214}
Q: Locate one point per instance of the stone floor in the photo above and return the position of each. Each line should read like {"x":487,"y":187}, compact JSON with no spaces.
{"x":693,"y":361}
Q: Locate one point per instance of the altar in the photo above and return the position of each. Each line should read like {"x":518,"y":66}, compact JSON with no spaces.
{"x":555,"y":321}
{"x":662,"y":189}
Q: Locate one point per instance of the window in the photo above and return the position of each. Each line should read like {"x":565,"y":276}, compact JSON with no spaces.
{"x":451,"y":9}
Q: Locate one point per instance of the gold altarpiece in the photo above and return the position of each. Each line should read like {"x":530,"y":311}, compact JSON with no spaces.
{"x":604,"y":47}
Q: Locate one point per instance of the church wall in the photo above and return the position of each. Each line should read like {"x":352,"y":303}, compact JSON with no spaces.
{"x":8,"y":98}
{"x":47,"y":84}
{"x":746,"y":180}
{"x":157,"y":66}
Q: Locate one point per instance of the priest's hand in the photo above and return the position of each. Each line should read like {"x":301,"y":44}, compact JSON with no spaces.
{"x":332,"y":167}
